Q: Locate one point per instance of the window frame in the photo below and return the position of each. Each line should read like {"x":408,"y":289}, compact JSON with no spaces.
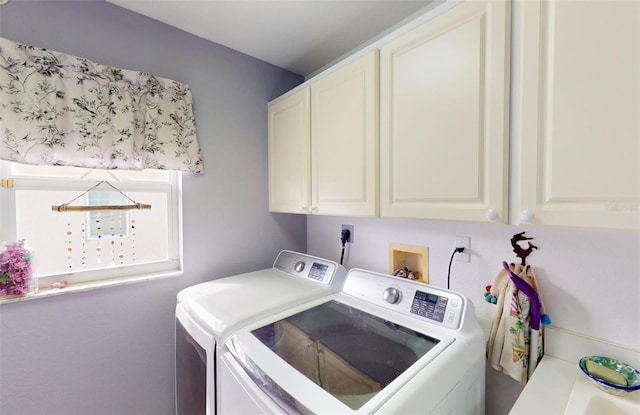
{"x":115,"y":275}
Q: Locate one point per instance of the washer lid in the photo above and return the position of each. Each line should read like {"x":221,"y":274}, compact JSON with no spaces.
{"x":227,"y":303}
{"x":349,"y":353}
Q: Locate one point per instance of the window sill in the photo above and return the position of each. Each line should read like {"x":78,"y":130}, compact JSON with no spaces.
{"x":91,"y":285}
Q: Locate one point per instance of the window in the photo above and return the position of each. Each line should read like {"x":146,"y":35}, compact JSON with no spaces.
{"x":80,"y":247}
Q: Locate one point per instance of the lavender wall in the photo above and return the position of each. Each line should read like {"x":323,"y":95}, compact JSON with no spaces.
{"x":110,"y":351}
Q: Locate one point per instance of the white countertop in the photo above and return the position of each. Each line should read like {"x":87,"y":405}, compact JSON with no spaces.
{"x":549,"y":388}
{"x":558,"y":386}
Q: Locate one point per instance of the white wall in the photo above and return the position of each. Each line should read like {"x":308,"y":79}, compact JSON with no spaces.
{"x":111,"y":350}
{"x":589,"y":280}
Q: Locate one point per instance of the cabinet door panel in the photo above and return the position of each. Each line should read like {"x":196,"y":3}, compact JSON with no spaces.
{"x":436,"y":109}
{"x":444,"y":118}
{"x":580,"y":105}
{"x":289,"y":137}
{"x":344,"y":135}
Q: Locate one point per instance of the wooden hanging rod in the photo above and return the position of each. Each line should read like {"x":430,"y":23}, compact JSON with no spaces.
{"x":67,"y":208}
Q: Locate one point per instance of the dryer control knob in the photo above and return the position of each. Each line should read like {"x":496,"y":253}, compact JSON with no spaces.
{"x":299,"y":266}
{"x":392,"y":295}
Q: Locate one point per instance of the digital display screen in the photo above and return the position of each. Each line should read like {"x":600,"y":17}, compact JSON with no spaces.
{"x":319,"y":267}
{"x":432,"y":298}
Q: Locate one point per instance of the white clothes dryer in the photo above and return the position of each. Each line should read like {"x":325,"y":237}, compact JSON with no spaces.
{"x":382,"y":345}
{"x":207,"y":313}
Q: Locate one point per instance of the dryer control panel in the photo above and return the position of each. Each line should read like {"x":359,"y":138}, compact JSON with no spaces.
{"x":309,"y":267}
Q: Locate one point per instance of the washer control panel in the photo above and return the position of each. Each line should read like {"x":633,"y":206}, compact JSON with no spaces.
{"x":429,"y":305}
{"x":309,"y":267}
{"x":408,"y":297}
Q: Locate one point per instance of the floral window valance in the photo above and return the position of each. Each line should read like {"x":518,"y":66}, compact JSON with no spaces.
{"x":57,"y":109}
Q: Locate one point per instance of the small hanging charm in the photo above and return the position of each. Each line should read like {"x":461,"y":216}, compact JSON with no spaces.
{"x":133,"y":240}
{"x":69,"y":248}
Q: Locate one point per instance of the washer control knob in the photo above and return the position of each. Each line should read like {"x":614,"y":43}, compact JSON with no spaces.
{"x":299,"y":266}
{"x":392,"y":295}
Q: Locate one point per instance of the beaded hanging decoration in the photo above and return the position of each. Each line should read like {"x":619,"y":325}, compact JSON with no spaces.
{"x":114,"y":227}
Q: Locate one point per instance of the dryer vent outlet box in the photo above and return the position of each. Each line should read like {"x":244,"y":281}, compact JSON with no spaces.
{"x":414,"y":257}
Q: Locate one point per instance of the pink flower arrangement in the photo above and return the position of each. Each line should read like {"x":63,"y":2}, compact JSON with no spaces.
{"x":15,"y":269}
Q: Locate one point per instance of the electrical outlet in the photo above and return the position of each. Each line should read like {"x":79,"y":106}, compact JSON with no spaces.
{"x":464,"y":242}
{"x":350,"y":228}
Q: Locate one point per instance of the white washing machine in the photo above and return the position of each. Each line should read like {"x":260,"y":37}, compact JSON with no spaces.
{"x":382,"y":345}
{"x":207,"y":313}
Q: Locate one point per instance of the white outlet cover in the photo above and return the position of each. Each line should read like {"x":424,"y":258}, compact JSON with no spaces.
{"x":465,"y":242}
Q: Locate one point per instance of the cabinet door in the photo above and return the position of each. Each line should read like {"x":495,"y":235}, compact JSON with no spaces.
{"x":289,"y":146}
{"x":344,"y":140}
{"x":444,"y":116}
{"x":579,"y":112}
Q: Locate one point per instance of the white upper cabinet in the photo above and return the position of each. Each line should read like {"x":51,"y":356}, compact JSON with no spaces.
{"x":578,"y":108}
{"x":289,"y":153}
{"x":344,"y":140}
{"x":323,"y":144}
{"x":444,"y":116}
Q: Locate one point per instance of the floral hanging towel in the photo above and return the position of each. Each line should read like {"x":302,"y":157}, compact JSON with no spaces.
{"x":508,"y":344}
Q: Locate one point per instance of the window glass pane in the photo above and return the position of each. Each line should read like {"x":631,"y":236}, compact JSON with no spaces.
{"x":107,"y":224}
{"x":80,"y":246}
{"x":61,"y":241}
